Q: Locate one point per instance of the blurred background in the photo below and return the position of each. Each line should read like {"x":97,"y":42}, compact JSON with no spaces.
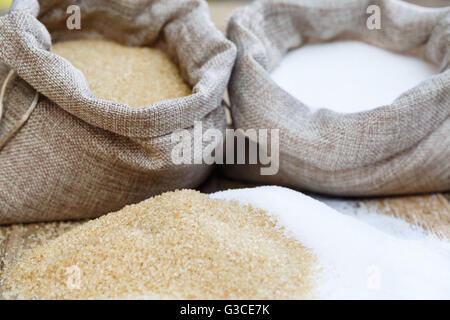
{"x":431,"y":3}
{"x":220,"y":9}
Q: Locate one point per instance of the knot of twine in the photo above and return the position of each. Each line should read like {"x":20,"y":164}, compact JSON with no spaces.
{"x":24,"y":118}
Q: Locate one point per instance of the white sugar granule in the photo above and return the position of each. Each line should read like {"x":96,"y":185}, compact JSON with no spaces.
{"x":348,"y":76}
{"x":136,"y":76}
{"x":180,"y":245}
{"x":362,"y":256}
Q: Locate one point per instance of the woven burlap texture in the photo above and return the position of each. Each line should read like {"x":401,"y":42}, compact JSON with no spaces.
{"x":399,"y":148}
{"x":78,"y":156}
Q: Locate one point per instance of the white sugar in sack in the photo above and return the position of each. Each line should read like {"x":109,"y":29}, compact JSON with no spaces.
{"x":361,"y":257}
{"x":348,"y":76}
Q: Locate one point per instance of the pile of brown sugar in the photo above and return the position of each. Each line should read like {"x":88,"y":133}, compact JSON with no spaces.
{"x":179,"y":245}
{"x":136,"y":76}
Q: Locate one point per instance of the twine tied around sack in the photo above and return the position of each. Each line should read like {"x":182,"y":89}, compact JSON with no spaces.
{"x":24,"y":118}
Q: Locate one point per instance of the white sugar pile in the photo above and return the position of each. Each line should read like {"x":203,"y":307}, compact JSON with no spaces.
{"x":361,"y":257}
{"x":349,"y":76}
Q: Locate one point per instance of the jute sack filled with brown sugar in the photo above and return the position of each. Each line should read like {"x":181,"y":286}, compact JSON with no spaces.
{"x":403,"y":147}
{"x":65,"y":153}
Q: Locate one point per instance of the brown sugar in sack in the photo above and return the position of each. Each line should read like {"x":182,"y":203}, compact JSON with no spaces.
{"x":88,"y":147}
{"x":134,"y":76}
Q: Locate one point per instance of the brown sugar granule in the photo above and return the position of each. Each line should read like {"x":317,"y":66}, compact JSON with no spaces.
{"x":136,"y":76}
{"x":179,"y":245}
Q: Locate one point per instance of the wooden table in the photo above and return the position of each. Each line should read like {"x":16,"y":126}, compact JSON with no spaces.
{"x":430,"y":211}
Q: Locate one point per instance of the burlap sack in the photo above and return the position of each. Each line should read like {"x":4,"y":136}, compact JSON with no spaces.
{"x":78,"y":156}
{"x":394,"y":149}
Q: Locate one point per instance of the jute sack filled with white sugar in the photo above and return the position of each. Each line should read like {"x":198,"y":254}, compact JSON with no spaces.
{"x":80,"y":156}
{"x":396,"y":148}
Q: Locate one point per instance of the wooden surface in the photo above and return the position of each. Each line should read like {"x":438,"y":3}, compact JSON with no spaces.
{"x":432,"y":212}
